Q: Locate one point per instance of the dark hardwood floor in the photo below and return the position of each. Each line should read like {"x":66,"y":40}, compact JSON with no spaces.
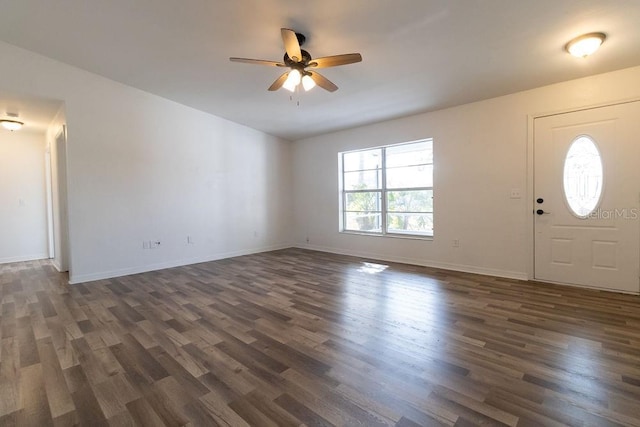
{"x":296,"y":337}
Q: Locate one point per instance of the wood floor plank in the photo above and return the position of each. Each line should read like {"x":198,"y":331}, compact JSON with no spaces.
{"x":110,"y":399}
{"x":85,"y":402}
{"x":143,"y":413}
{"x":300,"y":411}
{"x":250,"y":413}
{"x":27,"y":342}
{"x":221,"y":412}
{"x":34,"y":404}
{"x":169,"y":406}
{"x":296,"y":337}
{"x":58,"y":395}
{"x":10,"y":381}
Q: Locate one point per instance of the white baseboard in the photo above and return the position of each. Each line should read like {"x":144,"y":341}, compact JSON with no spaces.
{"x":82,"y":278}
{"x":57,"y":266}
{"x":518,"y":275}
{"x":23,"y":258}
{"x":74,"y":279}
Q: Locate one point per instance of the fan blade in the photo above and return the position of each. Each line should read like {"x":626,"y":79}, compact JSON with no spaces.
{"x":323,"y":82}
{"x":334,"y":61}
{"x":279,"y":82}
{"x":291,"y":44}
{"x":258,"y":62}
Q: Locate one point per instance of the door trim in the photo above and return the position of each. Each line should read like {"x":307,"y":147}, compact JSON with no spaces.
{"x":530,"y":171}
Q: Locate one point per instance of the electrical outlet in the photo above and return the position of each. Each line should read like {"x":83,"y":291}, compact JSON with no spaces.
{"x":515,"y":193}
{"x":456,"y":243}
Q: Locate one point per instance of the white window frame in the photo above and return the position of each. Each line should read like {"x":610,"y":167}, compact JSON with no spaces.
{"x":383,"y":190}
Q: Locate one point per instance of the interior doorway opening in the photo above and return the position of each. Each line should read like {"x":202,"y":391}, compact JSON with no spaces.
{"x":33,"y":182}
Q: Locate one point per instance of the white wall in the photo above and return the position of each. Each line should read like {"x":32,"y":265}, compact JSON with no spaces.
{"x":141,"y":167}
{"x":23,"y":219}
{"x":481,"y":153}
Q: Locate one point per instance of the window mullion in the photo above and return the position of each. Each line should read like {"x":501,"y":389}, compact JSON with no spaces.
{"x":411,"y":189}
{"x":344,"y":195}
{"x":383,"y":214}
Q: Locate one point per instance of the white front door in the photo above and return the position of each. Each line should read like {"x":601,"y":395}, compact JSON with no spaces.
{"x":587,"y":198}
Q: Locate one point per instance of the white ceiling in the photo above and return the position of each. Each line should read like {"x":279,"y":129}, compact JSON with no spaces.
{"x":418,"y":55}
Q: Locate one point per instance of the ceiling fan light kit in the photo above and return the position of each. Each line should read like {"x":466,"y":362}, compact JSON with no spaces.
{"x":308,"y":83}
{"x":292,"y":81}
{"x":301,"y":63}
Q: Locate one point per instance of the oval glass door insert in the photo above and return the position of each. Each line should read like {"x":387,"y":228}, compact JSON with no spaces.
{"x":583,"y":177}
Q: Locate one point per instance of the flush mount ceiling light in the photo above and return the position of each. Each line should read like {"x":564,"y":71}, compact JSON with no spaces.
{"x":585,"y":44}
{"x":11,"y":124}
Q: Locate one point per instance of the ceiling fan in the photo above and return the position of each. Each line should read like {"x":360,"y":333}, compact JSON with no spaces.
{"x":302,"y":65}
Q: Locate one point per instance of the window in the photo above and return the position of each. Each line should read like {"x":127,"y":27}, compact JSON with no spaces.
{"x":389,"y":190}
{"x":583,"y":176}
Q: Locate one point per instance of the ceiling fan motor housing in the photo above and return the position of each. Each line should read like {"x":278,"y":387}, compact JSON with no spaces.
{"x":306,"y":58}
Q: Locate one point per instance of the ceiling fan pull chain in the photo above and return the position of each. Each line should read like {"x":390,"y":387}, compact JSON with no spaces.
{"x":296,"y":94}
{"x":297,"y":100}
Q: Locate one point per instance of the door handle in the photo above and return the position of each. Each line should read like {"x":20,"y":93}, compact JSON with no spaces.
{"x":541,"y":212}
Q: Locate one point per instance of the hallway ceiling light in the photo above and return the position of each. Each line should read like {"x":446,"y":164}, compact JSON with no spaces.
{"x":11,"y":124}
{"x":585,"y":44}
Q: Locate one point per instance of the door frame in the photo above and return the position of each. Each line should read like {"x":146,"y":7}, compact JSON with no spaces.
{"x":60,"y":206}
{"x":531,"y":169}
{"x":49,"y":184}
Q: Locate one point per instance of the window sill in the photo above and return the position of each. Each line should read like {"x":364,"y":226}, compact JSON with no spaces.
{"x":392,"y":235}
